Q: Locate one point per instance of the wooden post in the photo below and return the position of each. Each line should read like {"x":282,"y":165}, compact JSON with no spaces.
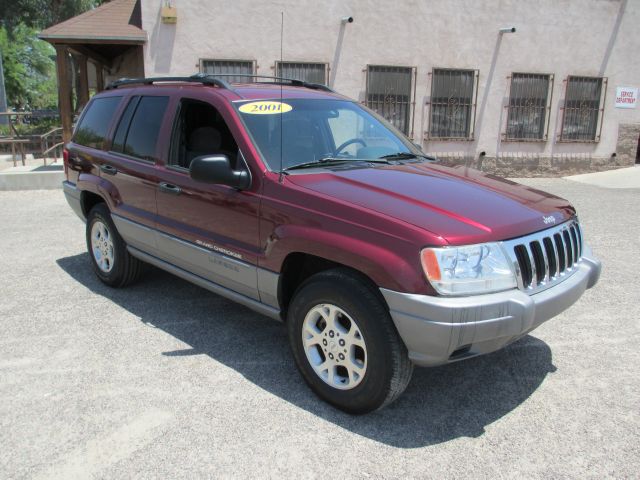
{"x":99,"y":77}
{"x":83,"y":85}
{"x":64,"y":92}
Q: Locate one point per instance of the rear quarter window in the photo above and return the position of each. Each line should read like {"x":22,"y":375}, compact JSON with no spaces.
{"x":94,"y":124}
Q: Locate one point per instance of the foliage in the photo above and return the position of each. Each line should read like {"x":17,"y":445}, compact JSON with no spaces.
{"x":41,"y":125}
{"x":29,"y":69}
{"x":29,"y":65}
{"x":40,"y":14}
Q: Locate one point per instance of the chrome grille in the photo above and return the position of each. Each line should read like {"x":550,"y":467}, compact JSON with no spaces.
{"x":545,"y":258}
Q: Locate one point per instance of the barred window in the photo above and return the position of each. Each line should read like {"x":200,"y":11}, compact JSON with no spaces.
{"x":453,"y":93}
{"x":307,"y":72}
{"x":240,"y":68}
{"x":529,"y":106}
{"x":582,"y":107}
{"x":389,"y":93}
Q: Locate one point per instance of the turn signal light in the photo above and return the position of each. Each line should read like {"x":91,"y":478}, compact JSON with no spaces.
{"x":430,"y":264}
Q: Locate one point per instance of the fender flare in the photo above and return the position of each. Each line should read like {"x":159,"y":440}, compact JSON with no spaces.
{"x":385,"y":267}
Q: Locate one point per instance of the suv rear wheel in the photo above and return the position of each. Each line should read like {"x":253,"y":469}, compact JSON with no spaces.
{"x":345,"y":344}
{"x":111,"y":261}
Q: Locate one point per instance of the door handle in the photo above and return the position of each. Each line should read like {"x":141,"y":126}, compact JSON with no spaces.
{"x":108,"y":169}
{"x":169,"y":188}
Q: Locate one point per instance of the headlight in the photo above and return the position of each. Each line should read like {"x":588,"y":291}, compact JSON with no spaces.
{"x":472,"y":269}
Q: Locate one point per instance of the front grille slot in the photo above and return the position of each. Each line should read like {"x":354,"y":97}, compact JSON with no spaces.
{"x":568,"y":247}
{"x":545,"y":258}
{"x":539,"y":260}
{"x":551,"y":256}
{"x":576,"y":245}
{"x":525,"y":264}
{"x":562,"y":256}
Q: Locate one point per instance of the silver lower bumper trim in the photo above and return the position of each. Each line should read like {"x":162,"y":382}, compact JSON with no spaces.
{"x":438,"y":330}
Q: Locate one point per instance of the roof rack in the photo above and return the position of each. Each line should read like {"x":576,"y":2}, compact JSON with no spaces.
{"x":275,"y":80}
{"x":197,"y":78}
{"x":215,"y":80}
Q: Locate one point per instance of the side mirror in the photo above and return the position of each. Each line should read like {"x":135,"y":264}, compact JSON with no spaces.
{"x":216,"y":169}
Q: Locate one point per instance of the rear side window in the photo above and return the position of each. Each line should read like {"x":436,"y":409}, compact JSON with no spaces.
{"x":93,"y":126}
{"x":138,"y":131}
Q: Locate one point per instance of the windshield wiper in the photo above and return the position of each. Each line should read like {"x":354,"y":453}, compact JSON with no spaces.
{"x":405,"y":155}
{"x":330,"y":161}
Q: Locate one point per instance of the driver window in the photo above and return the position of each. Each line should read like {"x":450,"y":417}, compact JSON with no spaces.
{"x":361,"y":136}
{"x":200,"y":130}
{"x":347,"y":125}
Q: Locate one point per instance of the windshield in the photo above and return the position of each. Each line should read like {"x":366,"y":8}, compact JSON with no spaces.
{"x":315,"y":130}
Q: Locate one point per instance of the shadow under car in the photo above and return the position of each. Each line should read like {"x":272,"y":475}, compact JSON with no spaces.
{"x":440,"y":404}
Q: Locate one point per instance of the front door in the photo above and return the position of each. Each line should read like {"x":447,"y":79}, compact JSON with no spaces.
{"x":208,"y":230}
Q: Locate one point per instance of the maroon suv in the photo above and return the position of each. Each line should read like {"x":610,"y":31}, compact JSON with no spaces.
{"x":309,"y":208}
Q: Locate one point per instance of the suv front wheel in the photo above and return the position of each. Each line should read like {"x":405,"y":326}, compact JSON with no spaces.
{"x":345,"y":344}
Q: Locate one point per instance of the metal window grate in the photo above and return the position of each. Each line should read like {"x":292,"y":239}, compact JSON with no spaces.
{"x":453,"y":103}
{"x":305,"y":71}
{"x":239,"y":67}
{"x":529,"y":106}
{"x":584,"y":102}
{"x":389,"y":93}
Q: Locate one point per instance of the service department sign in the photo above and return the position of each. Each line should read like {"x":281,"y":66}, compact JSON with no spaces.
{"x":626,"y":97}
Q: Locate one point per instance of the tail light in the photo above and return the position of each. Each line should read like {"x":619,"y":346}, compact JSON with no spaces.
{"x":65,"y":159}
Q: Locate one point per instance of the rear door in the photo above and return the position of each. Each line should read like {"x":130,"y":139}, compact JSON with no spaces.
{"x":130,"y":166}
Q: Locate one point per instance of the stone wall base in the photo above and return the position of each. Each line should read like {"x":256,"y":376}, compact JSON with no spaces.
{"x":560,"y":165}
{"x":528,"y":165}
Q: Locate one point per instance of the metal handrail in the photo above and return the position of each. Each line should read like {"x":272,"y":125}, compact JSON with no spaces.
{"x":53,"y":147}
{"x":44,"y":143}
{"x":51,"y":132}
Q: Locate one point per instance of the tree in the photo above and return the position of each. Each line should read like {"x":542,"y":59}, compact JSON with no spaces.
{"x":29,"y":65}
{"x":41,"y":14}
{"x":29,"y":69}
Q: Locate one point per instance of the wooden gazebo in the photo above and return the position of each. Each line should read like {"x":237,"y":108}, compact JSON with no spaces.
{"x":107,"y":40}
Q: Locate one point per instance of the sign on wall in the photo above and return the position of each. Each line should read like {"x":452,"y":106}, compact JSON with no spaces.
{"x":626,"y":97}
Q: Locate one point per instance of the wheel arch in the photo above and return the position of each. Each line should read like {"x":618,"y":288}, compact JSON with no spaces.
{"x":95,"y":190}
{"x":299,"y":266}
{"x":88,"y":200}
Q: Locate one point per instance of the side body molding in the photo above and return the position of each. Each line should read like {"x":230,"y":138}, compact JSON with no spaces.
{"x":239,"y":281}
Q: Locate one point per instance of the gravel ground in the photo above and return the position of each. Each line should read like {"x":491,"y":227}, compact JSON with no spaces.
{"x":166,"y":380}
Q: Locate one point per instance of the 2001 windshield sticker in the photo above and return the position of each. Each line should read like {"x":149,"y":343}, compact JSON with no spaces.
{"x":265,"y":108}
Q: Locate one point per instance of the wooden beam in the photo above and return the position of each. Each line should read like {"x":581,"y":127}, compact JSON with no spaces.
{"x":82,"y":50}
{"x":83,"y":83}
{"x":64,"y":92}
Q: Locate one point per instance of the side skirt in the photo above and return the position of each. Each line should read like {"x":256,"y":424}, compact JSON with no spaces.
{"x":254,"y":305}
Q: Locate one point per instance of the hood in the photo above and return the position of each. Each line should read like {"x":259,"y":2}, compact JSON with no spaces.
{"x":459,"y":204}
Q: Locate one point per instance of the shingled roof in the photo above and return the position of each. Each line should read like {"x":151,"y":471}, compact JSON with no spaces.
{"x":118,"y":21}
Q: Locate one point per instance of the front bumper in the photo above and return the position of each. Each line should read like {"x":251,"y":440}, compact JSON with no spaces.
{"x":438,"y":330}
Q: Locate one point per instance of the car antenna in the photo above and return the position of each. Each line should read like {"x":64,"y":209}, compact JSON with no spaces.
{"x":281,"y":40}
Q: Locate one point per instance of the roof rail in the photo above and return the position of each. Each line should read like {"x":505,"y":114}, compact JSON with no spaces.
{"x":215,"y":80}
{"x":197,"y":78}
{"x":276,"y":80}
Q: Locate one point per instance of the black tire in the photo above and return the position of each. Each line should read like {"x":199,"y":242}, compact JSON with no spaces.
{"x":388,"y":368}
{"x":125,"y":269}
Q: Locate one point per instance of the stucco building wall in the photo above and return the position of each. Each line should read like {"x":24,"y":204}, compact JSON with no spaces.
{"x":569,"y":37}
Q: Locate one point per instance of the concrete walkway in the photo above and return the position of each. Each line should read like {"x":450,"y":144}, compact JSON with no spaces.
{"x":621,"y":178}
{"x":33,"y":177}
